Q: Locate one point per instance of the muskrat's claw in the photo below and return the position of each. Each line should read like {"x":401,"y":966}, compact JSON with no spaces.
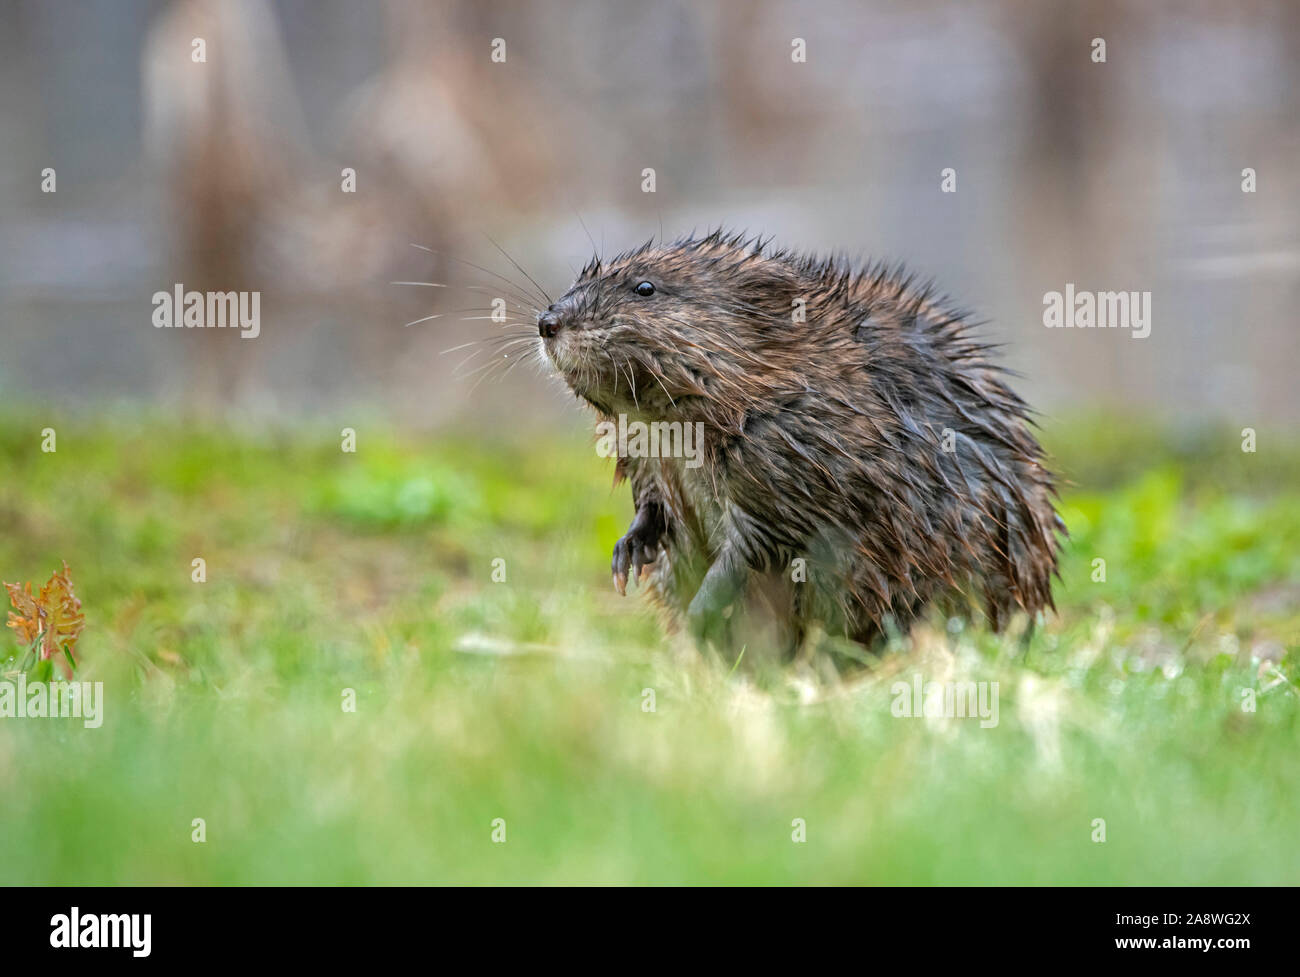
{"x":636,"y":551}
{"x":642,"y":556}
{"x":622,"y":560}
{"x":631,"y":557}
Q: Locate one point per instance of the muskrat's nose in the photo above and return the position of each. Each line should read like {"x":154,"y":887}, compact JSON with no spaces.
{"x":548,"y":324}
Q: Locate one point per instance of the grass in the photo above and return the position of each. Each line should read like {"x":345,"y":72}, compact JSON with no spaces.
{"x":524,"y":699}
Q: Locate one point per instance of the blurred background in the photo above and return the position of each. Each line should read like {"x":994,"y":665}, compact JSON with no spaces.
{"x":226,"y":175}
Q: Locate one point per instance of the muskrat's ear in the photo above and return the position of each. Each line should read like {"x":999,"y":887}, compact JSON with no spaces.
{"x":768,"y":292}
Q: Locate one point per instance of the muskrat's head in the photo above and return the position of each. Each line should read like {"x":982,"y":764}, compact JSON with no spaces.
{"x":670,"y":325}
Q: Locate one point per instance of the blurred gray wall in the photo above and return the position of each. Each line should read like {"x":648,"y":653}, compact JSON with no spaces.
{"x":226,"y":175}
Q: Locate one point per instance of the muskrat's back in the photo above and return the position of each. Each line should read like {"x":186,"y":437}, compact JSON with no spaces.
{"x":860,"y":458}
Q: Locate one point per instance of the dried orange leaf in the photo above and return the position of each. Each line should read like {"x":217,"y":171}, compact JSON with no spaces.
{"x":63,"y":618}
{"x":54,"y":615}
{"x":27,"y":622}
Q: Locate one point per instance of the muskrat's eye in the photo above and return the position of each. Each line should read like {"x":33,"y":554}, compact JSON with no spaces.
{"x":645,"y":288}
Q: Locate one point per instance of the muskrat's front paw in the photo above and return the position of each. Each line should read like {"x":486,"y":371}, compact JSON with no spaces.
{"x":636,"y":552}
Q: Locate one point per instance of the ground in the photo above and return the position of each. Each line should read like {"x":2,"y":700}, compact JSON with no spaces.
{"x":527,"y":699}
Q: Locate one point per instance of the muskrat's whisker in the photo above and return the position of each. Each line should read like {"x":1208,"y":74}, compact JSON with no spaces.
{"x":443,"y":315}
{"x":487,"y":271}
{"x":436,"y":315}
{"x":506,"y":372}
{"x":519,"y":304}
{"x":493,"y":345}
{"x":587,"y":232}
{"x":478,"y":369}
{"x":477,"y":383}
{"x":626,"y":369}
{"x":476,"y":308}
{"x":729,"y":347}
{"x":549,"y":300}
{"x":452,"y":349}
{"x":455,"y":370}
{"x":517,"y":300}
{"x":488,"y":367}
{"x":654,"y":373}
{"x":631,"y":383}
{"x":511,"y":344}
{"x":496,"y":343}
{"x":490,"y":342}
{"x":505,"y":340}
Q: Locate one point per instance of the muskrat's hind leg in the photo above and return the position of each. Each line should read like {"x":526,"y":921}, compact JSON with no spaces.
{"x":722,"y":585}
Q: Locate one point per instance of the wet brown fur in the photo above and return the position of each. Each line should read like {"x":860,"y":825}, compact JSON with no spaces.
{"x":823,"y":441}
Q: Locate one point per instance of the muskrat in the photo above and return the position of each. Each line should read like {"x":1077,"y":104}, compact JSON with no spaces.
{"x":861,"y":458}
